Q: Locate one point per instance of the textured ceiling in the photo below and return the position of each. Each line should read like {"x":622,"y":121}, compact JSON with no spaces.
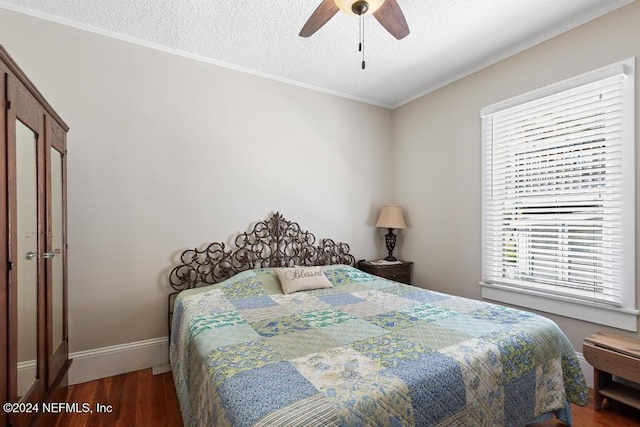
{"x":449,"y":38}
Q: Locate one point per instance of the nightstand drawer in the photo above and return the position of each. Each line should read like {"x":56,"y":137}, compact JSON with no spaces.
{"x":400,"y":272}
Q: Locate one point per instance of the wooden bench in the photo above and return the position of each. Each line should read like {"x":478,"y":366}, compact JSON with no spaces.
{"x":611,"y":355}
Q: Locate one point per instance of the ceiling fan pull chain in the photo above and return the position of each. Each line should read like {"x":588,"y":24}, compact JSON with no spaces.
{"x":362,"y":38}
{"x":360,"y":33}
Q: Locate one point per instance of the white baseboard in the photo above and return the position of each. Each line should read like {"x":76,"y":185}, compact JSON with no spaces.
{"x":161,"y":369}
{"x":27,"y":372}
{"x":105,"y":362}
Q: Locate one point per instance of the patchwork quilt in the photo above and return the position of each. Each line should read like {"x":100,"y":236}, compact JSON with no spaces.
{"x":366,"y":352}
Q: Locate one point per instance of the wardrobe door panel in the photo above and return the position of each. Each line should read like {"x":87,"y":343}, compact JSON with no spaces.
{"x":26,"y":186}
{"x":56,"y":260}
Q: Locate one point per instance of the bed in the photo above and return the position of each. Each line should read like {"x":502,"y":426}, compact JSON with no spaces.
{"x":352,"y":349}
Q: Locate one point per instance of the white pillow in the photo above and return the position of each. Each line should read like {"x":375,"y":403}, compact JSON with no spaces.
{"x":294,"y":279}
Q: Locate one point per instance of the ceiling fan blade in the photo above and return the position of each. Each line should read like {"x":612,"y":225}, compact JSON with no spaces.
{"x":319,"y":17}
{"x":390,"y":16}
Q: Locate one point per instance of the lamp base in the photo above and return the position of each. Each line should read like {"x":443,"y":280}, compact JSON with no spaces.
{"x":390,"y":241}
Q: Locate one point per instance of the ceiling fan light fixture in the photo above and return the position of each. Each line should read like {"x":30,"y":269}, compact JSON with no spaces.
{"x":347,"y":6}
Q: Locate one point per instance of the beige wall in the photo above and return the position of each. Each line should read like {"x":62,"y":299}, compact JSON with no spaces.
{"x":438,"y":145}
{"x":167,"y":153}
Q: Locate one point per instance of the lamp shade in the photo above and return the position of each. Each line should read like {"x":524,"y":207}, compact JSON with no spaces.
{"x":345,"y":6}
{"x":391,"y":217}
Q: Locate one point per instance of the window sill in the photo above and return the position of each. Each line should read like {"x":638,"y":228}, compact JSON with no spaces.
{"x":616,"y":317}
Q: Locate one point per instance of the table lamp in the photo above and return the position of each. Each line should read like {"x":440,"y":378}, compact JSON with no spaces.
{"x":391,"y":217}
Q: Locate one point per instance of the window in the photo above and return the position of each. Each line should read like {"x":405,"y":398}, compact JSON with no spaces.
{"x":559,"y":198}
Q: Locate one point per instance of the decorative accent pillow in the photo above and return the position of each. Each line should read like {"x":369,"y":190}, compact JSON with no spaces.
{"x":294,"y":279}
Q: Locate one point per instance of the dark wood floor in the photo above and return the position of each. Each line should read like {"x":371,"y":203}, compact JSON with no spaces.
{"x":613,"y":414}
{"x":142,"y":399}
{"x":136,"y":399}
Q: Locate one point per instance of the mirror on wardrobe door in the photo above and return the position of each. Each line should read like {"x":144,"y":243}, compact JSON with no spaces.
{"x":56,"y":251}
{"x":28,"y":249}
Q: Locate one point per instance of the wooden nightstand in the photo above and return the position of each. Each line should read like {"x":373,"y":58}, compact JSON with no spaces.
{"x":611,"y":355}
{"x":400,"y":272}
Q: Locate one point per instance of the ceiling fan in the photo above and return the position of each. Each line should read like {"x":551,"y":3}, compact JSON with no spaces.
{"x":386,"y":12}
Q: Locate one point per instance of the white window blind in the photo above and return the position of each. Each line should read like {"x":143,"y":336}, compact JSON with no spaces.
{"x":558,"y":189}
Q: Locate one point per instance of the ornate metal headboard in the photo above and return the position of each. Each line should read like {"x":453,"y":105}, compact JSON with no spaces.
{"x":274,"y":242}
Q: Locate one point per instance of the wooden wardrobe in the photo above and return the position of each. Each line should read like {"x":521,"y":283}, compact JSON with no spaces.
{"x":34,"y":354}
